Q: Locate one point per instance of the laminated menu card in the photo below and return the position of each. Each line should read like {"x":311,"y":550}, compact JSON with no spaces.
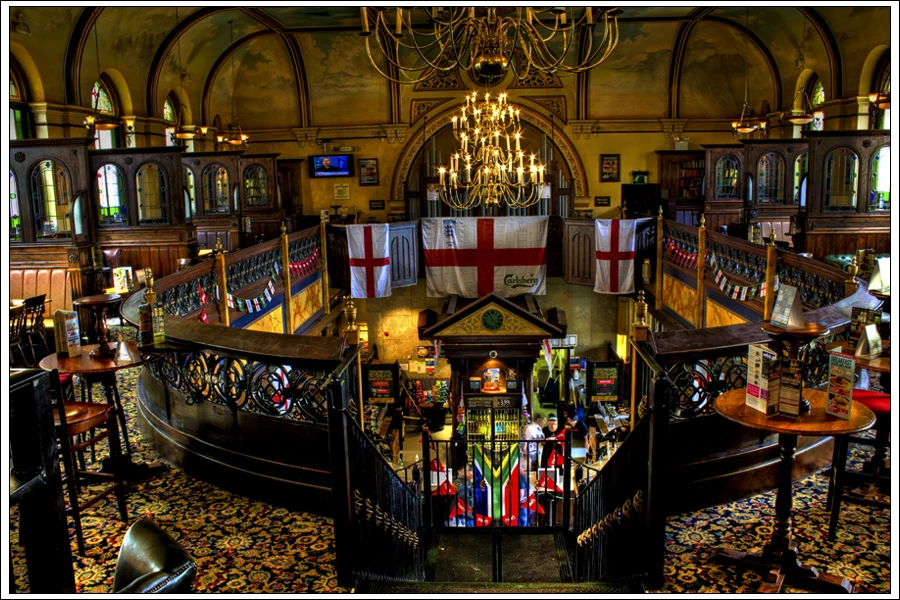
{"x":881,"y":276}
{"x":763,"y":379}
{"x":122,"y":277}
{"x":68,"y":338}
{"x":859,"y":319}
{"x":869,"y":345}
{"x":788,"y":311}
{"x":791,"y":385}
{"x":841,"y":369}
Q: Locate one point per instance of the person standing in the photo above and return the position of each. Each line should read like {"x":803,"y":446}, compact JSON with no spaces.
{"x":551,"y":431}
{"x":534,"y":432}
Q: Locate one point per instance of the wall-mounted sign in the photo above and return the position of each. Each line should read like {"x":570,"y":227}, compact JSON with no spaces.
{"x":342,"y":191}
{"x":376,"y":204}
{"x":604,"y":383}
{"x":380,"y":385}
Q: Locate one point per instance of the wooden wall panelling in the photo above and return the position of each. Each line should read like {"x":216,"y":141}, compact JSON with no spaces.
{"x":404,"y":238}
{"x":265,"y":222}
{"x":225,"y":225}
{"x":290,"y":173}
{"x":338,"y":257}
{"x":842,"y":232}
{"x":579,"y":263}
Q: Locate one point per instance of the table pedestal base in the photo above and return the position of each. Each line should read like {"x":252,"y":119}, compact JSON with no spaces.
{"x":783,"y":566}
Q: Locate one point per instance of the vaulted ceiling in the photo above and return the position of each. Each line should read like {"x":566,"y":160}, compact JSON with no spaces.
{"x":303,"y":66}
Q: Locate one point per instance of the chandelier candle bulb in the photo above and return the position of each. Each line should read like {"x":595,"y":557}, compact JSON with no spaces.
{"x":364,"y":15}
{"x":399,"y":29}
{"x":589,"y":15}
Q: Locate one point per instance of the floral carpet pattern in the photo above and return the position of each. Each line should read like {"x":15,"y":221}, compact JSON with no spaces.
{"x":246,"y":546}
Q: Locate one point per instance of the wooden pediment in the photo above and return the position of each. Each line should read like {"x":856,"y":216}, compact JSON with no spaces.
{"x":480,"y":319}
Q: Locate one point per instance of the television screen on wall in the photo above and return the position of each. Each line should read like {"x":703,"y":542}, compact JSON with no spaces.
{"x":331,"y":165}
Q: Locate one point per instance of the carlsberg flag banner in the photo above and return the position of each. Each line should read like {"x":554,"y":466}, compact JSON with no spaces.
{"x":474,"y":257}
{"x":370,"y":267}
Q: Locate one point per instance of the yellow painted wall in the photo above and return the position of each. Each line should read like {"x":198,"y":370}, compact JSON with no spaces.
{"x":680,"y":298}
{"x":272,"y":322}
{"x":305,"y":303}
{"x":719,"y":316}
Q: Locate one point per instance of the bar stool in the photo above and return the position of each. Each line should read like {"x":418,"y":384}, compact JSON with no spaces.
{"x":80,"y":425}
{"x":880,"y":404}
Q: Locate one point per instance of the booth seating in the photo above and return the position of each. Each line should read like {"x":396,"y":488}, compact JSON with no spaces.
{"x":151,"y":562}
{"x":843,"y":260}
{"x":781,"y":231}
{"x":843,"y":480}
{"x":55,"y":283}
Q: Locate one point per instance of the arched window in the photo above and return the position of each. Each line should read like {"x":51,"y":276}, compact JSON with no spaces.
{"x":19,"y":113}
{"x":103,"y":101}
{"x":169,"y":113}
{"x":50,"y":200}
{"x":15,"y":222}
{"x":111,"y":192}
{"x":255,"y":188}
{"x":215,"y":189}
{"x":801,"y":168}
{"x":150,"y":184}
{"x":883,"y":117}
{"x":816,"y":99}
{"x":880,"y":199}
{"x":841,"y":180}
{"x":190,"y":195}
{"x":728,"y":170}
{"x":770,"y":179}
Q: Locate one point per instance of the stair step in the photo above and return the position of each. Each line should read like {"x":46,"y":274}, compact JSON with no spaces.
{"x":456,"y":587}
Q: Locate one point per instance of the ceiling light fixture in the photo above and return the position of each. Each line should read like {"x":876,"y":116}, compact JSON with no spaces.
{"x":234,"y":136}
{"x":487,"y":40}
{"x":97,"y":121}
{"x":742,"y":126}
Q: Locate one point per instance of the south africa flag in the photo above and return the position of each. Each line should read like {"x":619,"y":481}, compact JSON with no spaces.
{"x":497,"y":481}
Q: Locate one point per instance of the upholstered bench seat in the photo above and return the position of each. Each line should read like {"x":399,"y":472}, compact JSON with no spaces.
{"x":55,"y":282}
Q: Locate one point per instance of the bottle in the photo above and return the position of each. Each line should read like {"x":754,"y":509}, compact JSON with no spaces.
{"x":146,"y":318}
{"x":159,"y":325}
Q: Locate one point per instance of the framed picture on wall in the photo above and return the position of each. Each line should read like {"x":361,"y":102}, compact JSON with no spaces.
{"x":640,"y":177}
{"x":368,"y":171}
{"x":609,"y":167}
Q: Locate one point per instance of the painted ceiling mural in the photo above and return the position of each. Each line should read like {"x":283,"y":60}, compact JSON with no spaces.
{"x":712,"y":78}
{"x":344,"y":88}
{"x":633,"y":83}
{"x":266,"y":95}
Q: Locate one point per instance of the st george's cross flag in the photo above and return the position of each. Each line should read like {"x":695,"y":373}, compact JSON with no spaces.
{"x":474,"y":257}
{"x":370,"y":263}
{"x":614,"y":243}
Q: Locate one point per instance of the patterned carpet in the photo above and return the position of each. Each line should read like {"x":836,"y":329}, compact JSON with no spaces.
{"x":242,"y":545}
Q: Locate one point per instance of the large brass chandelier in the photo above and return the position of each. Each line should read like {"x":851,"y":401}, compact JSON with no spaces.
{"x":490,"y":167}
{"x":487,"y":41}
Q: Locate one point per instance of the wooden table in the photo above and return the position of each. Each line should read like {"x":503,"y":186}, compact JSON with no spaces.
{"x":880,"y":364}
{"x":98,"y":305}
{"x":103,"y":370}
{"x":779,"y":558}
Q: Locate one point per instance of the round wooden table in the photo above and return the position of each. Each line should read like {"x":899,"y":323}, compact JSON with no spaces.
{"x":779,"y":558}
{"x":98,"y":305}
{"x":880,"y":364}
{"x":100,"y":369}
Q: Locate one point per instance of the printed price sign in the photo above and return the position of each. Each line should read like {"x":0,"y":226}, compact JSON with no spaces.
{"x":604,"y":384}
{"x":788,"y":311}
{"x":841,"y":369}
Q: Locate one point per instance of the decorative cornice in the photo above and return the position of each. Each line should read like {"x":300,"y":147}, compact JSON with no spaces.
{"x":422,"y":106}
{"x":554,"y":104}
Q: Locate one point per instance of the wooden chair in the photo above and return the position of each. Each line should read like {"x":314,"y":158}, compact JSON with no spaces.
{"x":34,"y":335}
{"x":80,"y":425}
{"x":842,"y":479}
{"x":16,"y":328}
{"x":113,"y":259}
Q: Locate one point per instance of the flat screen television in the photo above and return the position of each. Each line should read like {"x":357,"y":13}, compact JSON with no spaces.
{"x":331,"y":165}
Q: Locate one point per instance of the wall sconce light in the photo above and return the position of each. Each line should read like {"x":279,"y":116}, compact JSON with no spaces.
{"x":220,"y":138}
{"x":21,"y":26}
{"x":203,"y":129}
{"x":818,"y":120}
{"x":129,"y":131}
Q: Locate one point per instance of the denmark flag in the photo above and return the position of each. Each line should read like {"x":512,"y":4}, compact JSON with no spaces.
{"x":370,"y":264}
{"x":474,"y":257}
{"x":614,"y":241}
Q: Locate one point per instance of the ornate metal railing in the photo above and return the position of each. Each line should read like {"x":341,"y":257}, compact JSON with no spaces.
{"x":619,"y":515}
{"x":253,"y":386}
{"x":819,"y":284}
{"x":242,"y":271}
{"x":738,"y":257}
{"x":183,"y":298}
{"x":302,"y":249}
{"x":683,"y":236}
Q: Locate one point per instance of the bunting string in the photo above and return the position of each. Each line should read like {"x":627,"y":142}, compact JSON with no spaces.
{"x":735,"y":291}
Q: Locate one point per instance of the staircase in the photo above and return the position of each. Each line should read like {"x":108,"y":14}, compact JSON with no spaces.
{"x":466,"y":563}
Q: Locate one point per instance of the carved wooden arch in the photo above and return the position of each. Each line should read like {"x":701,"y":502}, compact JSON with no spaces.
{"x":417,"y":139}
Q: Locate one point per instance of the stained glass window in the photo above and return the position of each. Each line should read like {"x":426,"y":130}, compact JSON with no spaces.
{"x":881,"y":180}
{"x":13,"y":90}
{"x":770,"y":179}
{"x":169,"y":111}
{"x":190,"y":197}
{"x":111,"y":191}
{"x":150,"y":185}
{"x":255,"y":189}
{"x":100,"y":99}
{"x":50,"y":200}
{"x":841,"y":180}
{"x":801,"y":168}
{"x":15,"y":223}
{"x":215,"y":189}
{"x":818,"y":93}
{"x":728,"y":169}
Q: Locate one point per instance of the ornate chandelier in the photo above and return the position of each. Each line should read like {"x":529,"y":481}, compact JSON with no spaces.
{"x":487,"y":40}
{"x":489,"y":168}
